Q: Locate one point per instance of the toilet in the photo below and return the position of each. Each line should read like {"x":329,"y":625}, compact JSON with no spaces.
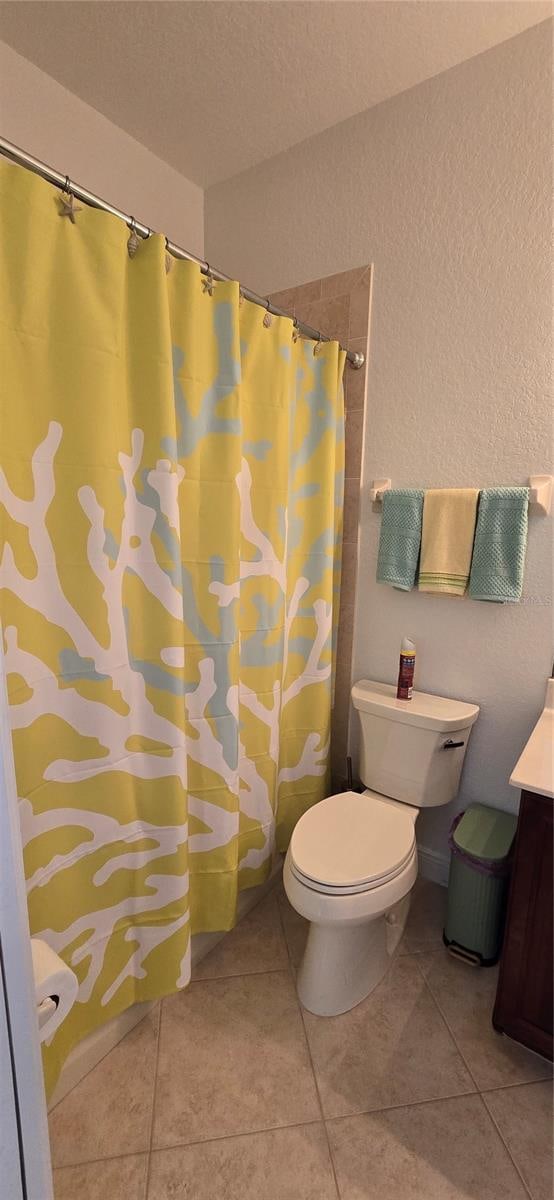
{"x":352,"y":859}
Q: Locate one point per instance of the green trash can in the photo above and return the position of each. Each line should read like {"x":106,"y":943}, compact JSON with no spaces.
{"x":481,"y":842}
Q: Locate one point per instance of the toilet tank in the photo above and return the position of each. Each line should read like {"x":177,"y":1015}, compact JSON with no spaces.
{"x":412,"y":750}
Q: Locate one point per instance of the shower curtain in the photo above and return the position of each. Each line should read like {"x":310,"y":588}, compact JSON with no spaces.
{"x":171,"y":480}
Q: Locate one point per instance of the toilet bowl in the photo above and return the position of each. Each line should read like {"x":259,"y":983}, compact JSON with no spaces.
{"x":349,"y":870}
{"x":352,"y":859}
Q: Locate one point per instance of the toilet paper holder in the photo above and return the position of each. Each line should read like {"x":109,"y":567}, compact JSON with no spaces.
{"x":56,"y":988}
{"x":46,"y":1010}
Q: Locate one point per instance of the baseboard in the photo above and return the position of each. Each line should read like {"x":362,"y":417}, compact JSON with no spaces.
{"x":433,"y":865}
{"x":88,"y":1053}
{"x":93,"y":1048}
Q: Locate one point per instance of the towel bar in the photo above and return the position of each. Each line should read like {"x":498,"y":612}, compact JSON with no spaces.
{"x":540,"y":491}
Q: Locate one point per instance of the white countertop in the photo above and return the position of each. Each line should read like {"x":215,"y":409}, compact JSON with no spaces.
{"x":534,"y":770}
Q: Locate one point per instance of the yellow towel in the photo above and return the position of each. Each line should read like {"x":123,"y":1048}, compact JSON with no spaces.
{"x":449,"y":516}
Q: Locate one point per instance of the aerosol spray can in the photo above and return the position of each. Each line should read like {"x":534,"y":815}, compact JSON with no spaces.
{"x":406,"y":670}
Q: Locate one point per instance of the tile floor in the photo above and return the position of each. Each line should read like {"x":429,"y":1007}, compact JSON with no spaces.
{"x":230,"y":1090}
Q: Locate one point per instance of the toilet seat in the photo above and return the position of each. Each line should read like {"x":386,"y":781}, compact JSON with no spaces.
{"x":351,"y":843}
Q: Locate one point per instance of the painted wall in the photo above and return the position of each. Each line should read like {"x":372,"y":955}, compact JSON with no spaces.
{"x":446,"y":189}
{"x":50,"y":122}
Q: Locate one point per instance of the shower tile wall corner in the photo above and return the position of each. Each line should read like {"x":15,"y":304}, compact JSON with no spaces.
{"x":340,"y":306}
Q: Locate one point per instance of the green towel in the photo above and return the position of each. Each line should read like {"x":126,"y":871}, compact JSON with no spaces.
{"x":400,"y":537}
{"x":499,"y":550}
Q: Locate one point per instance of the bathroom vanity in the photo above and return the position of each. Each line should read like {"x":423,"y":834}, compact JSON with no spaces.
{"x":524,"y":999}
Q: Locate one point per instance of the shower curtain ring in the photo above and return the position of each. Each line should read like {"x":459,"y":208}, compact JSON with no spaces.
{"x":133,"y":241}
{"x":268,"y":318}
{"x":318,"y":344}
{"x":68,"y":207}
{"x":208,"y":281}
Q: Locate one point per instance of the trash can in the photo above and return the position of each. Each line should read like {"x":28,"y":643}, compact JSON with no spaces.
{"x":481,"y":842}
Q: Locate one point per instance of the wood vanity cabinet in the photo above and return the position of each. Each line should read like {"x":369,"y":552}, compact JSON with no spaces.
{"x":524,"y":999}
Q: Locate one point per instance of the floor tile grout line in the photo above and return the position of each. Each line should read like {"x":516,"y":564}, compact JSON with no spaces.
{"x":223,"y":1137}
{"x":298,"y":1124}
{"x":504,"y":1087}
{"x":153,"y":1105}
{"x":242,"y":1133}
{"x":89,"y":1162}
{"x":316,"y":1085}
{"x":97,"y":1162}
{"x":495,"y":1087}
{"x":239,"y":975}
{"x":506,"y":1147}
{"x":362,"y":1112}
{"x":385,"y":1108}
{"x":288,"y":968}
{"x":447,"y":1024}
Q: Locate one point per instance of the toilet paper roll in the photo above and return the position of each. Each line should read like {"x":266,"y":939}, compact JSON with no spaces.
{"x":56,"y":987}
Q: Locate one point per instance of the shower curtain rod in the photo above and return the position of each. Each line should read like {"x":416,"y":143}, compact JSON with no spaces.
{"x":9,"y":150}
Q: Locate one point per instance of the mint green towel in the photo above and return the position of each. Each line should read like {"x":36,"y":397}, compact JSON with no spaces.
{"x":400,"y":537}
{"x":499,"y":549}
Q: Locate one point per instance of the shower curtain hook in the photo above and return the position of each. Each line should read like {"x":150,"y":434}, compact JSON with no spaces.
{"x":318,"y":344}
{"x":208,"y":282}
{"x":268,"y":318}
{"x":168,"y":258}
{"x":133,"y":241}
{"x":67,"y":201}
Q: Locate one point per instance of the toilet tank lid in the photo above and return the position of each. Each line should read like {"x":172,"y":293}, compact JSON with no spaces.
{"x":429,"y":712}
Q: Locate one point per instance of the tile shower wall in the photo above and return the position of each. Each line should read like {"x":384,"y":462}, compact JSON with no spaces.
{"x":339,"y":306}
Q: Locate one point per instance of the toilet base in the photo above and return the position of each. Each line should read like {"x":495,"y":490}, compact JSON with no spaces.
{"x":342,"y":964}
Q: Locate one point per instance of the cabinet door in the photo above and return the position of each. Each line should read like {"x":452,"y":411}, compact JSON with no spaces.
{"x":524,"y":999}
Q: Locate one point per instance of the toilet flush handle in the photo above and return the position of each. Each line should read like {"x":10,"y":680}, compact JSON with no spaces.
{"x":450,"y":745}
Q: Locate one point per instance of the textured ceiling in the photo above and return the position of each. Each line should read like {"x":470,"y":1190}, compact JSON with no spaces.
{"x":215,"y":87}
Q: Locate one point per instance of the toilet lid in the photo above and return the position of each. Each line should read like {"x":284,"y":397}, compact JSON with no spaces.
{"x":352,"y":840}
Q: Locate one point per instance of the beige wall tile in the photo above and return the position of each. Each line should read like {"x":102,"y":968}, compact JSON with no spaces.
{"x":330,"y":316}
{"x":348,"y":573}
{"x":339,"y":750}
{"x":355,"y":387}
{"x":346,"y":623}
{"x":343,"y":282}
{"x":351,"y":510}
{"x":292,"y":299}
{"x":354,"y":431}
{"x":343,"y":683}
{"x":339,"y":306}
{"x":358,"y":343}
{"x":359,"y":307}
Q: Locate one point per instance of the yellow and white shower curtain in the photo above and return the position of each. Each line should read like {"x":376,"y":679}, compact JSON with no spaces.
{"x":171,"y":478}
